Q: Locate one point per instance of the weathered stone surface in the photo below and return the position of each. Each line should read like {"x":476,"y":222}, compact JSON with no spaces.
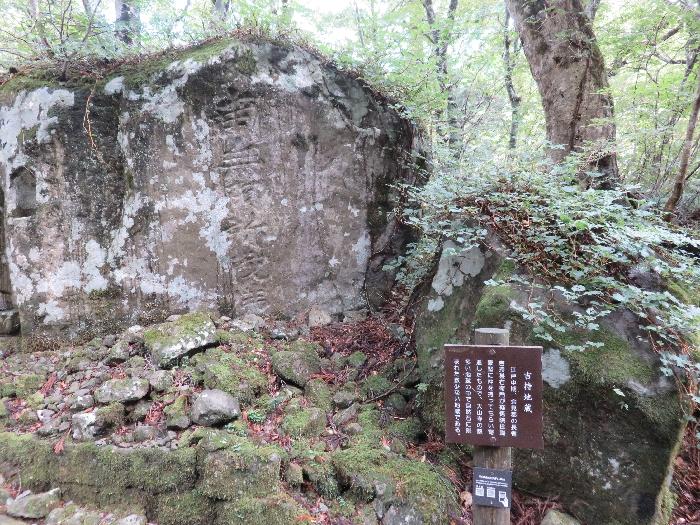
{"x":176,"y":416}
{"x":214,"y":407}
{"x":346,"y":415}
{"x":33,"y":506}
{"x":587,"y":460}
{"x":170,"y":341}
{"x":296,"y":366}
{"x":554,"y":517}
{"x":243,"y":176}
{"x":132,"y":519}
{"x":6,"y":520}
{"x":9,"y":322}
{"x":84,"y":428}
{"x":318,"y":317}
{"x":244,"y":470}
{"x":122,"y":390}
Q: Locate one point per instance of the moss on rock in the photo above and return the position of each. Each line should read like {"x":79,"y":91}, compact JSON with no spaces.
{"x":278,"y":509}
{"x":362,"y":470}
{"x":242,"y":469}
{"x":230,"y":372}
{"x":188,"y":508}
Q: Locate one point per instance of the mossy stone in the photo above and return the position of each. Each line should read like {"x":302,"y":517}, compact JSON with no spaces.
{"x":231,"y":372}
{"x":184,"y":508}
{"x":318,"y":393}
{"x":242,"y":469}
{"x":169,"y":342}
{"x":363,"y":469}
{"x":356,"y":359}
{"x":278,"y":509}
{"x":300,"y":422}
{"x":176,"y":414}
{"x":375,"y":385}
{"x":321,"y":474}
{"x":296,"y":366}
{"x":25,"y":385}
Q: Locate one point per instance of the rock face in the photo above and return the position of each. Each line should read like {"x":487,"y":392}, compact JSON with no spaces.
{"x":608,"y":459}
{"x":239,"y":177}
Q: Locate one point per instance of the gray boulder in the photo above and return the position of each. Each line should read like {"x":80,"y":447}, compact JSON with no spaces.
{"x":122,"y":390}
{"x":33,"y":506}
{"x":214,"y":407}
{"x":169,"y":342}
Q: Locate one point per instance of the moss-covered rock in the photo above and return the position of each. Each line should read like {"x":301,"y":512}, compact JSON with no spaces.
{"x":176,"y":414}
{"x":298,"y":365}
{"x":234,"y":373}
{"x":111,"y":470}
{"x":243,"y":469}
{"x":375,"y":385}
{"x":25,"y":385}
{"x":368,"y":473}
{"x":277,"y":509}
{"x":169,"y":342}
{"x":608,"y":457}
{"x":320,"y":473}
{"x":318,"y":393}
{"x":300,"y":422}
{"x":184,"y":508}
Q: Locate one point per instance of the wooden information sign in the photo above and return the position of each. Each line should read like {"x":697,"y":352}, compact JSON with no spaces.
{"x":493,"y":395}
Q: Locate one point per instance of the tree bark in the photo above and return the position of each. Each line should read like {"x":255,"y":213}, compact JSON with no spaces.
{"x":441,"y":40}
{"x":513,"y":97}
{"x":569,"y":70}
{"x":679,"y":184}
{"x":127,"y":21}
{"x":222,"y":7}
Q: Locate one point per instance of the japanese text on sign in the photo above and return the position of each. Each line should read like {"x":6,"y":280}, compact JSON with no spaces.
{"x":494,"y":395}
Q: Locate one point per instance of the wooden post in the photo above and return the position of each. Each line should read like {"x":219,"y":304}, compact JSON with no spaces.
{"x":491,"y":457}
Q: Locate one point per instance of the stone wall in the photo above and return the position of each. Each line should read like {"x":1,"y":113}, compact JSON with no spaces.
{"x":238,"y":177}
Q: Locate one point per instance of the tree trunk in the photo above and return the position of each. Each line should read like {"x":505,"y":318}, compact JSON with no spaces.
{"x":679,"y":185}
{"x":440,"y":38}
{"x":222,"y":7}
{"x":569,"y":70}
{"x":127,"y":21}
{"x":513,"y":97}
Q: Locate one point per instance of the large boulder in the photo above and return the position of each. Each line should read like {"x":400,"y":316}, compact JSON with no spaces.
{"x":244,"y":177}
{"x":612,"y":421}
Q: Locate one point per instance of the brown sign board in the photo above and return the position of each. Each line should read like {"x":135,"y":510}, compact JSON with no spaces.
{"x":493,"y":395}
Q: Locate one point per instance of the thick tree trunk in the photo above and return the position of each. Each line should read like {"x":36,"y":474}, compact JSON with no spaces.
{"x":679,"y":184}
{"x":568,"y":67}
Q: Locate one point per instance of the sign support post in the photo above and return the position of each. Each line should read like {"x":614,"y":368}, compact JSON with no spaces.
{"x":491,"y":457}
{"x":493,"y":400}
